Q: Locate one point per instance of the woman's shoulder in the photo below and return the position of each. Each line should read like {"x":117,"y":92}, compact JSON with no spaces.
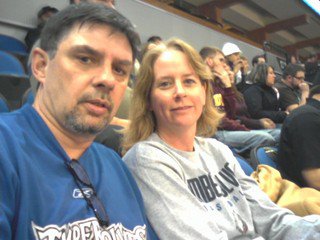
{"x":151,"y":148}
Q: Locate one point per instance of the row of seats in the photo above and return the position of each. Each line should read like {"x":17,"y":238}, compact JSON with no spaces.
{"x":12,"y":45}
{"x":259,"y":155}
{"x":14,"y":81}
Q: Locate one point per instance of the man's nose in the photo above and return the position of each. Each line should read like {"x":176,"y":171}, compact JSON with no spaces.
{"x":105,"y":78}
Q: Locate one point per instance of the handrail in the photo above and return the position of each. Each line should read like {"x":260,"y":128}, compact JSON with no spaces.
{"x":16,"y":24}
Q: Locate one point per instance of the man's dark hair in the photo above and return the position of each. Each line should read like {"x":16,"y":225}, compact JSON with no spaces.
{"x":314,"y":90}
{"x":47,"y":9}
{"x":59,"y":25}
{"x":292,"y":69}
{"x":154,"y":39}
{"x":255,"y":59}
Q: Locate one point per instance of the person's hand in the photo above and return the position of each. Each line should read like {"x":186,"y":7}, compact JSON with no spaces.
{"x":223,"y":75}
{"x":267,"y":123}
{"x":237,"y":66}
{"x":304,"y":87}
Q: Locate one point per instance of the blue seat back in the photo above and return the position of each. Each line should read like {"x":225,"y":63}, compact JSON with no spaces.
{"x":265,"y":155}
{"x":13,"y":45}
{"x":245,"y":166}
{"x":243,"y":163}
{"x":10,"y":65}
{"x":13,"y":80}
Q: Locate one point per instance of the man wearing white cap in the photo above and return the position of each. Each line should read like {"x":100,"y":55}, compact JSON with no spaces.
{"x":232,"y":53}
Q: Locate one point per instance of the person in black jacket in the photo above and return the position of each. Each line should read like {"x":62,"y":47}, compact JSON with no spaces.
{"x":262,"y":98}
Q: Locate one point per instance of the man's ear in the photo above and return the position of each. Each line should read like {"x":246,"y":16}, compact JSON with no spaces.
{"x":40,"y":60}
{"x":208,"y":61}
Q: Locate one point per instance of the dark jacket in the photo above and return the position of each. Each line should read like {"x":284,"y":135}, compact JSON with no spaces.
{"x":263,"y":102}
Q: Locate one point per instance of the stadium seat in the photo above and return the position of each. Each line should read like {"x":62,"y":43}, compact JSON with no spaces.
{"x":10,"y":65}
{"x":244,"y":165}
{"x":264,"y":155}
{"x":12,"y":45}
{"x":13,"y":80}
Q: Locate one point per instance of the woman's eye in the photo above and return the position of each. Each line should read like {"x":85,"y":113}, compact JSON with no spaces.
{"x":164,"y":84}
{"x":189,"y":81}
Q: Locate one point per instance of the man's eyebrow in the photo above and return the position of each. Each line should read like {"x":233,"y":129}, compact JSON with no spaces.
{"x":85,"y":49}
{"x":124,"y":62}
{"x":89,"y":50}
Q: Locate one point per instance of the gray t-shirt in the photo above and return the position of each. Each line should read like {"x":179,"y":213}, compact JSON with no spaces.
{"x":204,"y":194}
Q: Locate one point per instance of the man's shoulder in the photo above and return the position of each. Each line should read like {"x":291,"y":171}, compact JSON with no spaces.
{"x":304,"y":110}
{"x":304,"y":116}
{"x":11,"y":122}
{"x":101,"y":150}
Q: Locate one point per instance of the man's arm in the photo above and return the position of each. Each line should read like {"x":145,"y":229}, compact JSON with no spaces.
{"x":304,"y":89}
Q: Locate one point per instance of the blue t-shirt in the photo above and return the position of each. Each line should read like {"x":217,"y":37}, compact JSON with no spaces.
{"x":39,"y":198}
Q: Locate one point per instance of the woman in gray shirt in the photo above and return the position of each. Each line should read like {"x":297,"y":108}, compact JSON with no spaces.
{"x":193,"y":187}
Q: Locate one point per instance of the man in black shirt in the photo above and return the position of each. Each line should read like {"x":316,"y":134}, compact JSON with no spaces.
{"x":292,"y":88}
{"x":299,"y":150}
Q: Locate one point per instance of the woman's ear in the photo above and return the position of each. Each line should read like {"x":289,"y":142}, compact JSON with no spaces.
{"x":39,"y":64}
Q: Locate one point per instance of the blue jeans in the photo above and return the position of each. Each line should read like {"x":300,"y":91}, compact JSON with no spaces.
{"x":246,"y":140}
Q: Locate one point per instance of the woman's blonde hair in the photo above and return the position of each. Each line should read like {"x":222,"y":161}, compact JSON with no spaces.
{"x":143,"y":122}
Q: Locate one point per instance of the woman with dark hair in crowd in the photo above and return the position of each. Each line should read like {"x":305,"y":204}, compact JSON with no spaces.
{"x":262,"y":98}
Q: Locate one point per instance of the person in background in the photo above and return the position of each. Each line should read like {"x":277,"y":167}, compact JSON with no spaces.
{"x":312,"y":69}
{"x":299,"y":149}
{"x":292,"y":88}
{"x":108,"y":3}
{"x":155,"y":39}
{"x":245,"y":70}
{"x":257,"y":60}
{"x":43,"y":15}
{"x":262,"y":99}
{"x":232,"y":53}
{"x":235,"y":128}
{"x":55,"y":183}
{"x":192,"y":186}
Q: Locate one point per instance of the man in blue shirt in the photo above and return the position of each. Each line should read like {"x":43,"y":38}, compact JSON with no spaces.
{"x":55,"y":183}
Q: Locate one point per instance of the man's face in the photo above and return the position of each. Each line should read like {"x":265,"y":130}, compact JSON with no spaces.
{"x":216,"y":60}
{"x":298,"y":79}
{"x":234,"y":58}
{"x":85,"y":81}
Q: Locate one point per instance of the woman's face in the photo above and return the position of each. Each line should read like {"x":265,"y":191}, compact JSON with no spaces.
{"x":271,"y":77}
{"x":177,"y":95}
